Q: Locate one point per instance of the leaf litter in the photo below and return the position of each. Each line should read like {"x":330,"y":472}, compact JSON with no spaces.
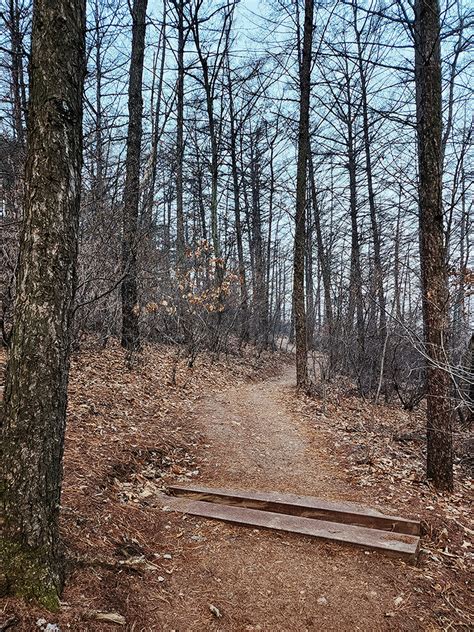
{"x":133,"y":562}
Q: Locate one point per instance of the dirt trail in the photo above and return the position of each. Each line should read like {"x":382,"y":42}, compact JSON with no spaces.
{"x":258,"y":444}
{"x":262,"y":580}
{"x":168,"y":572}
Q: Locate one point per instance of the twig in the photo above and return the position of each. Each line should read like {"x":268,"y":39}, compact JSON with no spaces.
{"x":9,"y":623}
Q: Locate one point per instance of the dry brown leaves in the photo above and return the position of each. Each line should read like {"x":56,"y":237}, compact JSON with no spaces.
{"x":381,"y":450}
{"x":129,"y":431}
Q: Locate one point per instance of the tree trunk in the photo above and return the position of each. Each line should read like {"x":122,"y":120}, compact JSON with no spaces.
{"x":244,"y":321}
{"x":98,"y":183}
{"x":270,"y":275}
{"x":16,"y":72}
{"x":355,"y":289}
{"x":378,"y":268}
{"x":37,"y":375}
{"x":208,"y":81}
{"x":214,"y":175}
{"x":300,"y":219}
{"x":157,"y":128}
{"x":180,"y":254}
{"x":434,"y":274}
{"x":260,"y":295}
{"x":310,"y":308}
{"x":396,"y":265}
{"x":325,"y":266}
{"x":198,"y":185}
{"x":131,"y":198}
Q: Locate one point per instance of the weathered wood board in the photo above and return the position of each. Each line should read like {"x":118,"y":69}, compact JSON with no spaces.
{"x":303,"y":506}
{"x":395,"y":544}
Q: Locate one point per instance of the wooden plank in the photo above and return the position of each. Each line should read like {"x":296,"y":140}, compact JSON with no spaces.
{"x":303,"y":506}
{"x":395,"y":544}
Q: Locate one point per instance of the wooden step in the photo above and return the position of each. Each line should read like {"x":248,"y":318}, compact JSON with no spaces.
{"x":395,"y":544}
{"x":303,"y":506}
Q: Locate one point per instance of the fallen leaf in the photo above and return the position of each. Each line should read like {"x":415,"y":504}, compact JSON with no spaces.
{"x":215,"y":611}
{"x":111,"y":617}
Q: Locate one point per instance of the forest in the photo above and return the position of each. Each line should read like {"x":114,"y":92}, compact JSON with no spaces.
{"x":236,"y":251}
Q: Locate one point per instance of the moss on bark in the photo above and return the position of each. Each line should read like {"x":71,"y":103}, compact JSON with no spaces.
{"x":25,"y":574}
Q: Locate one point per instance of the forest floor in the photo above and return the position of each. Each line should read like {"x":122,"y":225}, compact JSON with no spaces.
{"x":238,"y":422}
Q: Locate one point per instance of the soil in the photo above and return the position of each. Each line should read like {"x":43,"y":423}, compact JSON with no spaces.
{"x":160,"y":570}
{"x":258,"y":444}
{"x":268,"y":581}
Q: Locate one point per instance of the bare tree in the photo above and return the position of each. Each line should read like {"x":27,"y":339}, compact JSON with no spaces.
{"x":37,"y":375}
{"x":131,"y":197}
{"x":211,"y":63}
{"x":182,"y":35}
{"x":244,"y":332}
{"x":301,"y":185}
{"x":432,"y":247}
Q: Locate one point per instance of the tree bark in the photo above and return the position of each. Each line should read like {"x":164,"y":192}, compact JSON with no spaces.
{"x":300,"y":218}
{"x":310,"y":307}
{"x":434,"y":274}
{"x":211,"y":65}
{"x":208,"y":81}
{"x":16,"y":72}
{"x":98,"y":185}
{"x":131,"y":198}
{"x":37,"y":375}
{"x":157,"y":128}
{"x":260,"y":294}
{"x":355,"y":289}
{"x":378,"y":268}
{"x":244,"y":320}
{"x":396,"y":265}
{"x":180,"y":254}
{"x":325,"y":266}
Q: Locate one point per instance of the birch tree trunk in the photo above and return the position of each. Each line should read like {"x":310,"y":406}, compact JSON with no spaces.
{"x":36,"y":385}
